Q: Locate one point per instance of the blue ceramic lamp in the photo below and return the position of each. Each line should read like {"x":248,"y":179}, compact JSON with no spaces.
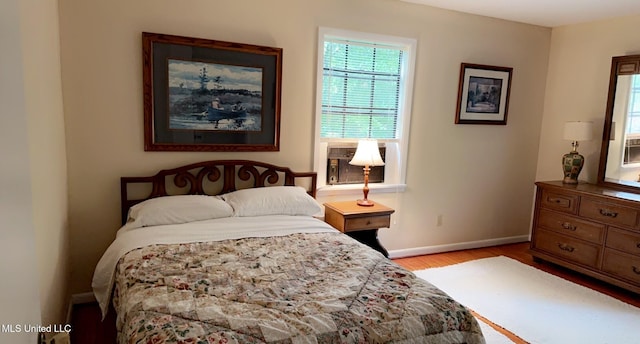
{"x":572,"y":162}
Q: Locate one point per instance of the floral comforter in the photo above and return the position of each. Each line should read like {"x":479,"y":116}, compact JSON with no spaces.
{"x":298,"y":288}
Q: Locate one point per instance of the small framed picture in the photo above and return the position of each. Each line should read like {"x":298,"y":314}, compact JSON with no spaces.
{"x":483,"y":94}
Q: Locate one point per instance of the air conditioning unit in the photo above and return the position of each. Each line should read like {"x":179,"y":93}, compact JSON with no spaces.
{"x":340,"y":172}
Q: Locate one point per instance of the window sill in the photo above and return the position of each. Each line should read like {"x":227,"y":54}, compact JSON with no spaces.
{"x":356,"y":189}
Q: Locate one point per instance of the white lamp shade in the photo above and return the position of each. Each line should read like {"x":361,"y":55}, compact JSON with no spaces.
{"x":578,"y":131}
{"x":367,"y":154}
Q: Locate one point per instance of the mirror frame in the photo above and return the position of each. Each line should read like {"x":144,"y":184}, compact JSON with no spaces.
{"x":620,"y":65}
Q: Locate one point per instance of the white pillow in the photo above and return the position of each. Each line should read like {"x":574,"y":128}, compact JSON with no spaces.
{"x":177,"y":209}
{"x":272,"y":200}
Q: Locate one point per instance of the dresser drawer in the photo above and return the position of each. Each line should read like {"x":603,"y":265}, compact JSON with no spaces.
{"x":369,"y":222}
{"x":610,"y":213}
{"x":573,"y":249}
{"x":622,"y":265}
{"x":571,"y":226}
{"x":558,"y":201}
{"x":625,"y":241}
{"x":589,"y":228}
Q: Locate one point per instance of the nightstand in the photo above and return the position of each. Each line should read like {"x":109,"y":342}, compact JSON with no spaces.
{"x":360,"y":223}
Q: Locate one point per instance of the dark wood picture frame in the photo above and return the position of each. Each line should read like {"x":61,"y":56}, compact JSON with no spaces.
{"x":206,"y":95}
{"x":483,"y":94}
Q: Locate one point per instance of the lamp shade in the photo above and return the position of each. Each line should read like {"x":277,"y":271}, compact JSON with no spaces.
{"x":578,"y":131}
{"x":367,"y":154}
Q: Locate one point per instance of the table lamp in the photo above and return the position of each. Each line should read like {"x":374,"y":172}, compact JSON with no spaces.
{"x":572,"y":162}
{"x":367,"y":155}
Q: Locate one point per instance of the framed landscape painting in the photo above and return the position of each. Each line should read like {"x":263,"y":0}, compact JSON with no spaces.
{"x":206,"y":95}
{"x":483,"y":94}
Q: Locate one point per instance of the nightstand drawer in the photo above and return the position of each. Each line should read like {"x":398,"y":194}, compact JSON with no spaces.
{"x":572,"y":226}
{"x":358,"y":222}
{"x":622,"y":265}
{"x":369,"y":222}
{"x":625,"y":241}
{"x":560,"y":202}
{"x":608,"y":212}
{"x":576,"y":250}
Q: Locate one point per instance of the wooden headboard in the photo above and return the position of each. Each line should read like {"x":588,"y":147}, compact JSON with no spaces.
{"x":212,"y":178}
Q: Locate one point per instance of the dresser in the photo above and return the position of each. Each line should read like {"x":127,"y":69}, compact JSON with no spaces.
{"x":590,"y":229}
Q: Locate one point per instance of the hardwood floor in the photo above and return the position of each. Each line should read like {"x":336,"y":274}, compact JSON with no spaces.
{"x":89,"y":329}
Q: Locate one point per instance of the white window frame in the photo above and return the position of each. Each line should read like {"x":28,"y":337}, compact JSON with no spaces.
{"x":395,"y":169}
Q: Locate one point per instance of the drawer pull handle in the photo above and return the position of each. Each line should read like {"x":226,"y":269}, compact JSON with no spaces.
{"x":555,"y":200}
{"x":638,"y":245}
{"x":569,"y":226}
{"x":609,"y":213}
{"x":566,"y":247}
{"x":636,"y":270}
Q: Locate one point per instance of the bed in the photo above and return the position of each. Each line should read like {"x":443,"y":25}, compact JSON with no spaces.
{"x":229,"y":251}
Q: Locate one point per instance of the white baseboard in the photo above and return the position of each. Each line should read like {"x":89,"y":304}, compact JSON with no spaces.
{"x":77,"y":299}
{"x":419,"y":251}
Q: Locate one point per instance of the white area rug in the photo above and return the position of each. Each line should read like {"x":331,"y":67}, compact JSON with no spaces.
{"x":536,"y":306}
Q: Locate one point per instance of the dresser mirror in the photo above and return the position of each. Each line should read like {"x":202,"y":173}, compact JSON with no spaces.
{"x":620,"y":154}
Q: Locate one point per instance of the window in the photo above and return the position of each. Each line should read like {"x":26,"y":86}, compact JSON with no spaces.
{"x":632,"y":134}
{"x":365,"y":83}
{"x":633,"y":113}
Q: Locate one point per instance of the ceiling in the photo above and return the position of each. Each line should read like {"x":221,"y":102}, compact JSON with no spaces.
{"x":549,"y":13}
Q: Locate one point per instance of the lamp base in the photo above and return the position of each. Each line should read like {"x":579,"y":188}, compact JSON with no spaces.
{"x":572,"y":163}
{"x":364,"y":203}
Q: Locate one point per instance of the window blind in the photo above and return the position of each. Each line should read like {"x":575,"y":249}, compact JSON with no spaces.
{"x":360,"y":90}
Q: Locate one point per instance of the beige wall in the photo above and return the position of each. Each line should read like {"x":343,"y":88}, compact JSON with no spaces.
{"x":18,"y":264}
{"x":47,"y":152}
{"x":479,"y":178}
{"x":577,"y":86}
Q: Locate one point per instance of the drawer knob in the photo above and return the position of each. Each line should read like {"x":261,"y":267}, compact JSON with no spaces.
{"x":608,"y":213}
{"x":566,"y":247}
{"x":638,"y":245}
{"x":569,"y":226}
{"x":636,"y":270}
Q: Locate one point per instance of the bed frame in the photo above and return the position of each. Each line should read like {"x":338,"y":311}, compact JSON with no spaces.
{"x":213,"y":178}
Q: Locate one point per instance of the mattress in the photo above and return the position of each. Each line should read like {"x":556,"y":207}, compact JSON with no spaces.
{"x":268,"y":279}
